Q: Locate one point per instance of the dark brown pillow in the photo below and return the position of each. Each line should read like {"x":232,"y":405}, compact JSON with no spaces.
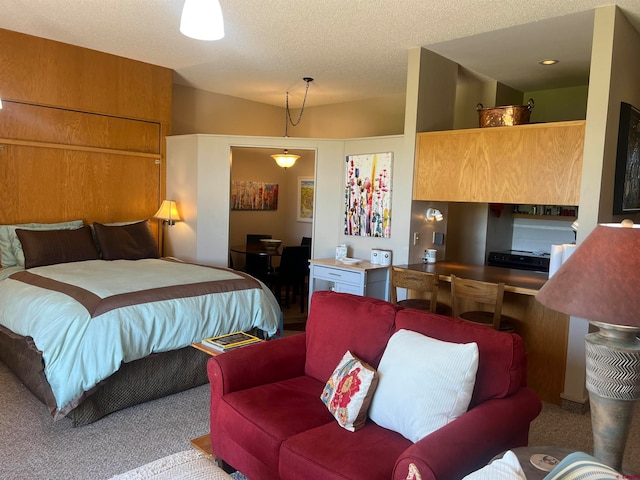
{"x":48,"y":247}
{"x":133,"y":241}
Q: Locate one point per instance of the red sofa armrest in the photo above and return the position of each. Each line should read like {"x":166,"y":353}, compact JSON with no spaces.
{"x":472,"y":440}
{"x":259,"y":364}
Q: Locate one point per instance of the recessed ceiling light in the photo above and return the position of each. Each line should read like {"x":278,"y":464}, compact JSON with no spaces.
{"x":548,"y":62}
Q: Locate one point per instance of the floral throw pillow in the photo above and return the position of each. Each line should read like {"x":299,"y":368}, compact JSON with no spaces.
{"x":348,"y":393}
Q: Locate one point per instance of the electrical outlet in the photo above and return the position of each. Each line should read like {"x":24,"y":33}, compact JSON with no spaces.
{"x":416,"y":238}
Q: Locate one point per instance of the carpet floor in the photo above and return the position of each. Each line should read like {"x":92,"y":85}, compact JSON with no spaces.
{"x":34,"y":447}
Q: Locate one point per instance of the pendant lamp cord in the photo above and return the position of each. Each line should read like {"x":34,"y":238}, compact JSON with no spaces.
{"x":287,"y":117}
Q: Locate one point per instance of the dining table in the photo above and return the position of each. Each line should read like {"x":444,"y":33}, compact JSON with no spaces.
{"x":258,"y":249}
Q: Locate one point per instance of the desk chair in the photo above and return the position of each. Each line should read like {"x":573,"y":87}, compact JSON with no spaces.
{"x":257,"y":265}
{"x":421,"y":282}
{"x":489,"y":294}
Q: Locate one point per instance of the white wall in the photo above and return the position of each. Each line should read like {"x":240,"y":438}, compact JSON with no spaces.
{"x":198,"y":173}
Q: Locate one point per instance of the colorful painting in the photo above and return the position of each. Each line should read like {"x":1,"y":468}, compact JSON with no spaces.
{"x":254,"y":195}
{"x":367,"y":195}
{"x":305,"y":199}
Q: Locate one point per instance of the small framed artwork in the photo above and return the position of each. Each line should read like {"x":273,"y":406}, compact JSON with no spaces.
{"x":306,"y":190}
{"x":626,"y":191}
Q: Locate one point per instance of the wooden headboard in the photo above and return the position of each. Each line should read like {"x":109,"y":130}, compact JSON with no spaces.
{"x":81,"y":133}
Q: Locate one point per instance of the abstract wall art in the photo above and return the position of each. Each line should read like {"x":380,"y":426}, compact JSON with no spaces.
{"x":367,"y":195}
{"x":247,"y":195}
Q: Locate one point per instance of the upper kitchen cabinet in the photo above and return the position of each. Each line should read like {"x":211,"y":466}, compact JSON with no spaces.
{"x":536,"y":164}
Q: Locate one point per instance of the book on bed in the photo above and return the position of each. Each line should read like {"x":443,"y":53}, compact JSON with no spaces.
{"x":229,"y":341}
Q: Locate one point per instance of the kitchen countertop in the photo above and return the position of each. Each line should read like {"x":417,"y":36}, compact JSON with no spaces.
{"x":517,"y":281}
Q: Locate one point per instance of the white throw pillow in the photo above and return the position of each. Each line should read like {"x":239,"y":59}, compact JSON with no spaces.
{"x":506,"y":468}
{"x":423,"y":384}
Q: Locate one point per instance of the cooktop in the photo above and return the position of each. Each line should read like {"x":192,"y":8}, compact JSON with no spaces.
{"x":520,"y":259}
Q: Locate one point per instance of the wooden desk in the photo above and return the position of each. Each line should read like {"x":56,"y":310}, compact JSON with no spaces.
{"x":544,"y":331}
{"x":517,"y":281}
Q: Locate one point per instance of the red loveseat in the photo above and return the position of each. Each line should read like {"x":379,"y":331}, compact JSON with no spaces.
{"x":267,"y":419}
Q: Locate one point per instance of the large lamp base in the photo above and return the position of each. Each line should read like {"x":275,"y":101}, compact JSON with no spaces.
{"x":613,"y":382}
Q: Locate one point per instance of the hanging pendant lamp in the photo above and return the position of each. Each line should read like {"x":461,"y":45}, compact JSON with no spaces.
{"x":286,"y":160}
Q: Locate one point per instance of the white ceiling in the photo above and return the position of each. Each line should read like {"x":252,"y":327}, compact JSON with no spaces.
{"x":354,"y":49}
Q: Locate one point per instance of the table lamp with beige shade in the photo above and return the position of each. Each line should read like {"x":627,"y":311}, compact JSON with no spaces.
{"x":599,"y":282}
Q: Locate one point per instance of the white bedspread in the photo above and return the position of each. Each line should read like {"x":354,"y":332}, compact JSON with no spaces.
{"x":79,"y":351}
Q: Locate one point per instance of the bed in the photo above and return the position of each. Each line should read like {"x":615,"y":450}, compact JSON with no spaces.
{"x":92,"y":321}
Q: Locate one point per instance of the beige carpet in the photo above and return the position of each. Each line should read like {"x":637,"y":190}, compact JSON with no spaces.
{"x":187,"y":465}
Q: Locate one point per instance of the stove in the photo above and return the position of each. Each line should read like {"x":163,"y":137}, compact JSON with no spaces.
{"x":521,"y":260}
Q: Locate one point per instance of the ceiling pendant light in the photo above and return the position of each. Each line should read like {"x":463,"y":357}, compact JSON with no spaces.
{"x":286,"y":160}
{"x":202,"y":20}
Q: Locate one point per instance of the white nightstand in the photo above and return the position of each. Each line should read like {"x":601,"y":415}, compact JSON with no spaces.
{"x":363,"y":278}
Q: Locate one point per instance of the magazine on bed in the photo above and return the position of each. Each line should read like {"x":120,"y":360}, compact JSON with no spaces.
{"x":224,"y":343}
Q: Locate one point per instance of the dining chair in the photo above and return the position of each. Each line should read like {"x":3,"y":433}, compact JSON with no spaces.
{"x":255,"y":264}
{"x":467,"y":294}
{"x":424,"y":283}
{"x":292,"y":274}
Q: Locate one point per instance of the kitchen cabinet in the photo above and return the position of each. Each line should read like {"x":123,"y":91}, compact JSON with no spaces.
{"x":363,"y":278}
{"x":535,"y":163}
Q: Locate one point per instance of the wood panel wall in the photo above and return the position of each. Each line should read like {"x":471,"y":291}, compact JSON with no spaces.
{"x":82,"y":133}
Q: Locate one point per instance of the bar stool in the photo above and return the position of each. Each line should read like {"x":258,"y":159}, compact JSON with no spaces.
{"x":416,"y":281}
{"x":485,"y":293}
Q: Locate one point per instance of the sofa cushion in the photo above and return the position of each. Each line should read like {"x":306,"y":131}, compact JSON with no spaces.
{"x":348,"y":393}
{"x":261,"y":418}
{"x":339,"y":322}
{"x":424,"y":384}
{"x":328,"y":452}
{"x":502,"y":362}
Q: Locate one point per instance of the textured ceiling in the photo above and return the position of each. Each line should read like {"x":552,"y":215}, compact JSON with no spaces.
{"x":355,"y":49}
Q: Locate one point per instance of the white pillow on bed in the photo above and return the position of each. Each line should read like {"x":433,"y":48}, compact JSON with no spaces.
{"x":11,"y":253}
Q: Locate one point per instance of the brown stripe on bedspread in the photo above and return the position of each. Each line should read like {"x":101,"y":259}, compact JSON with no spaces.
{"x":97,"y":306}
{"x":89,"y":300}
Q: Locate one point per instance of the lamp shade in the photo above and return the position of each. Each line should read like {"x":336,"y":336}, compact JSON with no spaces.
{"x":202,"y":20}
{"x":601,"y":279}
{"x":285,"y":160}
{"x":168,"y":212}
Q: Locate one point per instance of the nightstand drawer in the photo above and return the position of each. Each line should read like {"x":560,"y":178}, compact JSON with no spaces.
{"x":337,"y":274}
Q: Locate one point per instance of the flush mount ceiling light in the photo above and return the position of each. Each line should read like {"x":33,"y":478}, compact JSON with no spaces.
{"x":286,"y":160}
{"x":202,"y":20}
{"x":548,"y":62}
{"x":433,"y":214}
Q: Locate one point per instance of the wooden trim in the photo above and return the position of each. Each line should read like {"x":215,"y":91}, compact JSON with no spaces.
{"x":80,"y":148}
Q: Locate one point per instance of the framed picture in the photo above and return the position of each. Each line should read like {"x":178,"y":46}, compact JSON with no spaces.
{"x":306,"y":190}
{"x":367,"y":195}
{"x":626,"y":191}
{"x":254,"y":195}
